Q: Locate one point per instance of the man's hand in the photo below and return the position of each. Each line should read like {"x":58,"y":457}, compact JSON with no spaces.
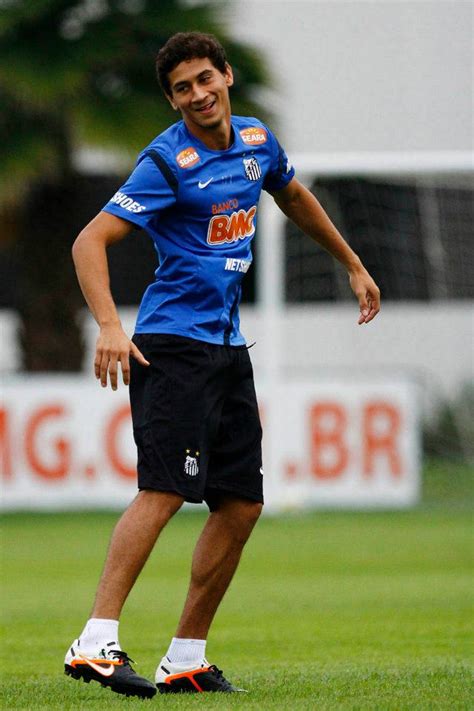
{"x":114,"y":347}
{"x":367,"y":293}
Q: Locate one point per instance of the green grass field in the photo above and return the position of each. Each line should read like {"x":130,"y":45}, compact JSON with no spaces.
{"x":327,"y":611}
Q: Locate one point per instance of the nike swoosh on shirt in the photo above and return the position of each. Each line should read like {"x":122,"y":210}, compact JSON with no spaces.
{"x":105,"y":671}
{"x":204,"y":185}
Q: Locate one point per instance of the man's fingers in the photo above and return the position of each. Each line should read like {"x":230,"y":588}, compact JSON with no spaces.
{"x":113,"y":368}
{"x":371,"y":315}
{"x":369,"y":307}
{"x":104,"y":365}
{"x":367,"y":314}
{"x":367,"y":293}
{"x":138,"y":355}
{"x":108,"y":357}
{"x":97,"y":361}
{"x":125,"y":364}
{"x":374,"y":304}
{"x":364,"y":309}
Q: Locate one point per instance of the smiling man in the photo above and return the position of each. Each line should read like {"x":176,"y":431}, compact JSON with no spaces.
{"x":195,"y":190}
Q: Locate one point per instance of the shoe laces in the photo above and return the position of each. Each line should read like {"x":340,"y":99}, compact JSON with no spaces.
{"x":220,"y":675}
{"x":120,"y":656}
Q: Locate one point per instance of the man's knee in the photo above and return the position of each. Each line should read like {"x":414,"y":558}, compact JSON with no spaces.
{"x":254,"y":511}
{"x":240,"y":515}
{"x":162,"y":504}
{"x":251,"y":513}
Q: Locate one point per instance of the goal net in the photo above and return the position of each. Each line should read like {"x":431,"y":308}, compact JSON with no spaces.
{"x":413,"y":230}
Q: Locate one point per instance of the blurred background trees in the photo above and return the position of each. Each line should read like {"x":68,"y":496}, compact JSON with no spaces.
{"x":74,"y":75}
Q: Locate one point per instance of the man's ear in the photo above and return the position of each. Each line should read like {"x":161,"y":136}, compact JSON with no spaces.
{"x":170,"y":99}
{"x":229,"y":75}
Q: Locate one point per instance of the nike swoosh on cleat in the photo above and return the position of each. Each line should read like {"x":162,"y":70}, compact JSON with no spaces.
{"x":204,"y":185}
{"x":104,"y":671}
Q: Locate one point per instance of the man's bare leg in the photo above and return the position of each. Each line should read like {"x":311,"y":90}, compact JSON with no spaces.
{"x":215,"y":560}
{"x":132,"y":542}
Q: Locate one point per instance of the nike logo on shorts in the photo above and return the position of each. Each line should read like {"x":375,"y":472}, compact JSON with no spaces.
{"x":201,"y":186}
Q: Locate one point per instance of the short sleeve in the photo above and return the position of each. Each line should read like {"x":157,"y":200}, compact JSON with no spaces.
{"x":146,"y":192}
{"x":281,"y":171}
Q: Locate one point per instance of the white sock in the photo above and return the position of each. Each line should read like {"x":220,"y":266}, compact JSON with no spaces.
{"x":186,"y":651}
{"x":99,"y":634}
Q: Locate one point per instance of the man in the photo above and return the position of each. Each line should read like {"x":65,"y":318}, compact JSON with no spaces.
{"x":195,"y":191}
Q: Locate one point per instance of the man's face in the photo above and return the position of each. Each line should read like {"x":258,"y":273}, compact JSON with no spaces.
{"x":201,"y":93}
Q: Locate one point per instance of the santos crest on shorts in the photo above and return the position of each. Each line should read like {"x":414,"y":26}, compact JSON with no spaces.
{"x":200,"y":208}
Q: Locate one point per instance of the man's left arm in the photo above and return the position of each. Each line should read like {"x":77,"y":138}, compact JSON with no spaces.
{"x":301,"y":206}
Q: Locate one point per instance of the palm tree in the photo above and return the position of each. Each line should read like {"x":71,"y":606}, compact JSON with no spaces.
{"x":74,"y":74}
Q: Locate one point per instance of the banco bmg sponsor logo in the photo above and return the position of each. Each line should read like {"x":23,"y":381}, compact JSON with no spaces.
{"x":230,"y":228}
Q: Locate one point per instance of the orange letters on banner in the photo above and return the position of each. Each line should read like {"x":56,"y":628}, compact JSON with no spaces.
{"x":33,"y":445}
{"x":117,"y":420}
{"x":328,"y":440}
{"x":6,"y":468}
{"x":378,"y":443}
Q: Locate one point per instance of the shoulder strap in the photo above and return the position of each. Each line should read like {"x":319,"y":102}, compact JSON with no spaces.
{"x":164,"y":168}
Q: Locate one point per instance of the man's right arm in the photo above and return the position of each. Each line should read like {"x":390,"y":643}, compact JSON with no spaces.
{"x":90,"y":259}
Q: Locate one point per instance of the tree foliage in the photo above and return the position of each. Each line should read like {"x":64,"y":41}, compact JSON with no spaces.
{"x":82,"y":73}
{"x":73,"y":74}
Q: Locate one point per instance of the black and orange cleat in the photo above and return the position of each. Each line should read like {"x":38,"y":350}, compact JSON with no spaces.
{"x":179,"y":678}
{"x":111,"y":669}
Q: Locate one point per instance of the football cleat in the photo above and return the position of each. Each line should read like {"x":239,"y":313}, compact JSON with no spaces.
{"x":179,"y":678}
{"x":111,"y":668}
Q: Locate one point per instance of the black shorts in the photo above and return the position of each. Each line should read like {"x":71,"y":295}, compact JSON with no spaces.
{"x":195,"y":419}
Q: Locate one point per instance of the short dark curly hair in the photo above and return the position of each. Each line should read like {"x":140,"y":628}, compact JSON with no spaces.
{"x":184,"y":46}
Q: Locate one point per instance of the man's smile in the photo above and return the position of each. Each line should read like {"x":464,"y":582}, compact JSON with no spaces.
{"x":207,"y":108}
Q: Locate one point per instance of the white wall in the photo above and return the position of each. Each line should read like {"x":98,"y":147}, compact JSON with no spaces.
{"x":365,"y":75}
{"x":431,"y":343}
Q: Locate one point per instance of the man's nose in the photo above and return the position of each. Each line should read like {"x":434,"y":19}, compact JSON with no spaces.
{"x":199,"y":93}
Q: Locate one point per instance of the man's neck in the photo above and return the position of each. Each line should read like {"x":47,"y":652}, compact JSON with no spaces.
{"x":217,"y":139}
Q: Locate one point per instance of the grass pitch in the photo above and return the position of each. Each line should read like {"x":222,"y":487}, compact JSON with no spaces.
{"x":327,"y":611}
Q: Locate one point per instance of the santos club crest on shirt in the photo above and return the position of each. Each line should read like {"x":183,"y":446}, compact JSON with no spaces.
{"x":252,"y":168}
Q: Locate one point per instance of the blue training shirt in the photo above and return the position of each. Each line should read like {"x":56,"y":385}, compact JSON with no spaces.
{"x":200,"y":208}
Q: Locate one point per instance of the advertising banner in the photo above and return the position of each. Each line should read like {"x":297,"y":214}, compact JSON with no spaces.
{"x":67,"y":444}
{"x":342,"y":444}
